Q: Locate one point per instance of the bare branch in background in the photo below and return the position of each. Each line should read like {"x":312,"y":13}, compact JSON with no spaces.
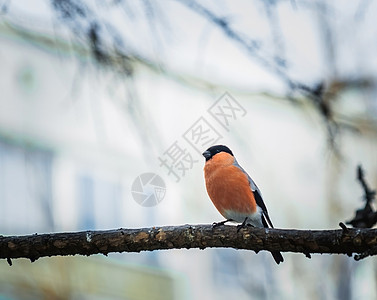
{"x":90,"y":25}
{"x":251,"y":46}
{"x":104,"y":41}
{"x":277,"y":35}
{"x":277,"y":64}
{"x":365,"y":217}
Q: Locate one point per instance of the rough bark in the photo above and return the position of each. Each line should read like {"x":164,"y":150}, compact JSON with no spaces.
{"x":362,"y":242}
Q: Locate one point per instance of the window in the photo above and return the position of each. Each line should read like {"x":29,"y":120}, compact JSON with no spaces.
{"x":25,"y":189}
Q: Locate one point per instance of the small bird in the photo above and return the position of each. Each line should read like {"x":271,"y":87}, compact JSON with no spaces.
{"x":233,"y":192}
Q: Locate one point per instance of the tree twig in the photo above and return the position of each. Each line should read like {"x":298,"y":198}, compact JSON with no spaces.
{"x":188,"y":236}
{"x":369,"y":194}
{"x":365,"y":217}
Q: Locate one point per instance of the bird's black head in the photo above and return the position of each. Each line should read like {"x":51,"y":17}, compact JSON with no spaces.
{"x":211,"y":151}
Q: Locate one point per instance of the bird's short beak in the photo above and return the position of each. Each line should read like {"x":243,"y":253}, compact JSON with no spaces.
{"x":206,"y":154}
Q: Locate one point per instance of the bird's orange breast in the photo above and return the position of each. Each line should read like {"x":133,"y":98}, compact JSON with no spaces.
{"x":228,"y":186}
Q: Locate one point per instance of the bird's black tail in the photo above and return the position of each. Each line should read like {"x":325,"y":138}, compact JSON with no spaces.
{"x":277,"y":256}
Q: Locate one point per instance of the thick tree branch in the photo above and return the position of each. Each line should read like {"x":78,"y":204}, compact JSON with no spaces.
{"x":343,"y":241}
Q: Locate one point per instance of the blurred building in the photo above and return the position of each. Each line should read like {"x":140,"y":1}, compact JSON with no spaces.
{"x":56,"y":175}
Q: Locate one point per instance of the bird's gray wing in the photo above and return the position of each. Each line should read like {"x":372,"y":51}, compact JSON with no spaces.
{"x":258,"y":197}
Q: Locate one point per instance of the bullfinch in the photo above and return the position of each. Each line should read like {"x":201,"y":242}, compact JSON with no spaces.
{"x":233,"y":192}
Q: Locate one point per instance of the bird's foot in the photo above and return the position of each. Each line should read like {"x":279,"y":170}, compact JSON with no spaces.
{"x":215,"y":224}
{"x":243,"y":225}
